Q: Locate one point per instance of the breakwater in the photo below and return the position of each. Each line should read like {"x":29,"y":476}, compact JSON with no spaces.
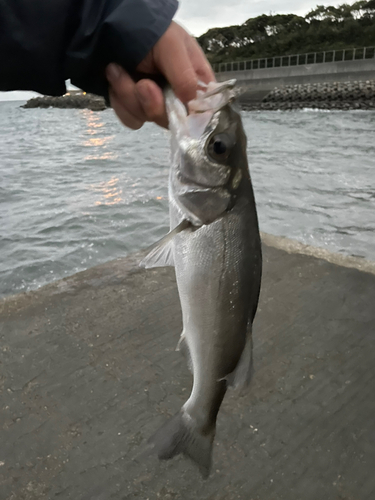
{"x":68,"y":101}
{"x":333,"y":95}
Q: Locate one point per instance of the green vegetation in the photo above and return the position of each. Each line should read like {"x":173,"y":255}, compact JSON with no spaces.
{"x":323,"y":29}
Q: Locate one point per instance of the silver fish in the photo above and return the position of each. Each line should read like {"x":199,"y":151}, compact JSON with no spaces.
{"x":215,"y":247}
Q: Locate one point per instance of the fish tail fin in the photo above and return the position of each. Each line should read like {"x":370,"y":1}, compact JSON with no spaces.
{"x":179,"y":436}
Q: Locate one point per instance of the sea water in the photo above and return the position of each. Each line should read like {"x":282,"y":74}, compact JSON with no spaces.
{"x":78,"y":189}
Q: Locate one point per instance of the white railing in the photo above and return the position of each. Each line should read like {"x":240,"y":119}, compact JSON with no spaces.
{"x":328,"y":56}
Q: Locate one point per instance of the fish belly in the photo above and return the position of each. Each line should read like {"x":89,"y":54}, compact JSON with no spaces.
{"x":216,"y":273}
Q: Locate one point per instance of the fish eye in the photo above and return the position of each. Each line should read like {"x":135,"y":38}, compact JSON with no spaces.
{"x":219,"y":147}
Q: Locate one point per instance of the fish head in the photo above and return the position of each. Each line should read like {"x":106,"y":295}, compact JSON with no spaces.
{"x":208,"y":151}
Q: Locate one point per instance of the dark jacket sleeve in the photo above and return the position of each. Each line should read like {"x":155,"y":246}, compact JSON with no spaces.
{"x":45,"y":42}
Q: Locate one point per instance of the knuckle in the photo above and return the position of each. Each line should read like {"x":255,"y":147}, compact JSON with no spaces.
{"x":186,"y":85}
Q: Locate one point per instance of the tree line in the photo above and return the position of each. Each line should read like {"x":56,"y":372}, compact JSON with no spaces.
{"x":322,"y":29}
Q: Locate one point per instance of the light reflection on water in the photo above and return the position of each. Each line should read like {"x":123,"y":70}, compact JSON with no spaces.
{"x":97,"y":142}
{"x":104,"y":156}
{"x":101,"y":143}
{"x":111,"y":192}
{"x":80,"y":189}
{"x":93,"y":120}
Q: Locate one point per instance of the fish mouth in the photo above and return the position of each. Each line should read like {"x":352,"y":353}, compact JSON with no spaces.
{"x":214,"y":97}
{"x":192,"y":122}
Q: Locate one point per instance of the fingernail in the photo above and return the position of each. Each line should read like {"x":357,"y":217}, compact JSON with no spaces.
{"x":113,"y":71}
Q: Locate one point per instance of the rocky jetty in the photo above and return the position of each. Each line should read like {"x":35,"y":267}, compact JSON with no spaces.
{"x":336,"y":95}
{"x":70,"y":100}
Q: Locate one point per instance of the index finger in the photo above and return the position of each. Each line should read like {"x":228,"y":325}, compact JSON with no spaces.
{"x":174,"y":62}
{"x":201,"y":66}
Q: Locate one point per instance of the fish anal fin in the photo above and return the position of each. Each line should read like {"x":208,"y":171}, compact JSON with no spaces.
{"x":183,"y":347}
{"x":241,"y":376}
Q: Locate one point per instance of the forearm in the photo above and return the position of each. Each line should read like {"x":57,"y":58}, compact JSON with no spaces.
{"x":45,"y":42}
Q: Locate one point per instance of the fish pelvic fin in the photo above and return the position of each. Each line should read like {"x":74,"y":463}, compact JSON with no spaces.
{"x":241,"y":376}
{"x":179,"y":435}
{"x":161,"y":253}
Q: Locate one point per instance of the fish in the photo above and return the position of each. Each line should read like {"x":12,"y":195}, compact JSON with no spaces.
{"x":215,"y":247}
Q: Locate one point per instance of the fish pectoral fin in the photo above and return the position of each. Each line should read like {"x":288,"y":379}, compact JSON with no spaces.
{"x":240,"y":377}
{"x":160,"y":256}
{"x":161,"y":253}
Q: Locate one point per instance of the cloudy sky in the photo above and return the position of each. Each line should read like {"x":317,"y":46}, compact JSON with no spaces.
{"x":200,"y":15}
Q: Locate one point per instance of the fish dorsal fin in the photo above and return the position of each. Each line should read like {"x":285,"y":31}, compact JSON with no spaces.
{"x":161,"y":253}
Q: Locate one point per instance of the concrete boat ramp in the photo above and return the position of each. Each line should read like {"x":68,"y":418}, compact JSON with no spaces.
{"x":88,"y":371}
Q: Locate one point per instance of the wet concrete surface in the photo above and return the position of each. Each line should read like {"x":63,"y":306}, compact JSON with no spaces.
{"x":88,"y":371}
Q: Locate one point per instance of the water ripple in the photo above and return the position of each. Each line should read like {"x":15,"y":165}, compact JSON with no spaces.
{"x":78,"y":189}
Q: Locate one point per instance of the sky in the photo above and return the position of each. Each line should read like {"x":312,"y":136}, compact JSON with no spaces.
{"x":198,"y":16}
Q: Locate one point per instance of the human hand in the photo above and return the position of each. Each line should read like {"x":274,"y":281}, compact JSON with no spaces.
{"x":178,"y":57}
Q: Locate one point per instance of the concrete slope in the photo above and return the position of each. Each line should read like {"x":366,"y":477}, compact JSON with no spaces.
{"x":88,"y":371}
